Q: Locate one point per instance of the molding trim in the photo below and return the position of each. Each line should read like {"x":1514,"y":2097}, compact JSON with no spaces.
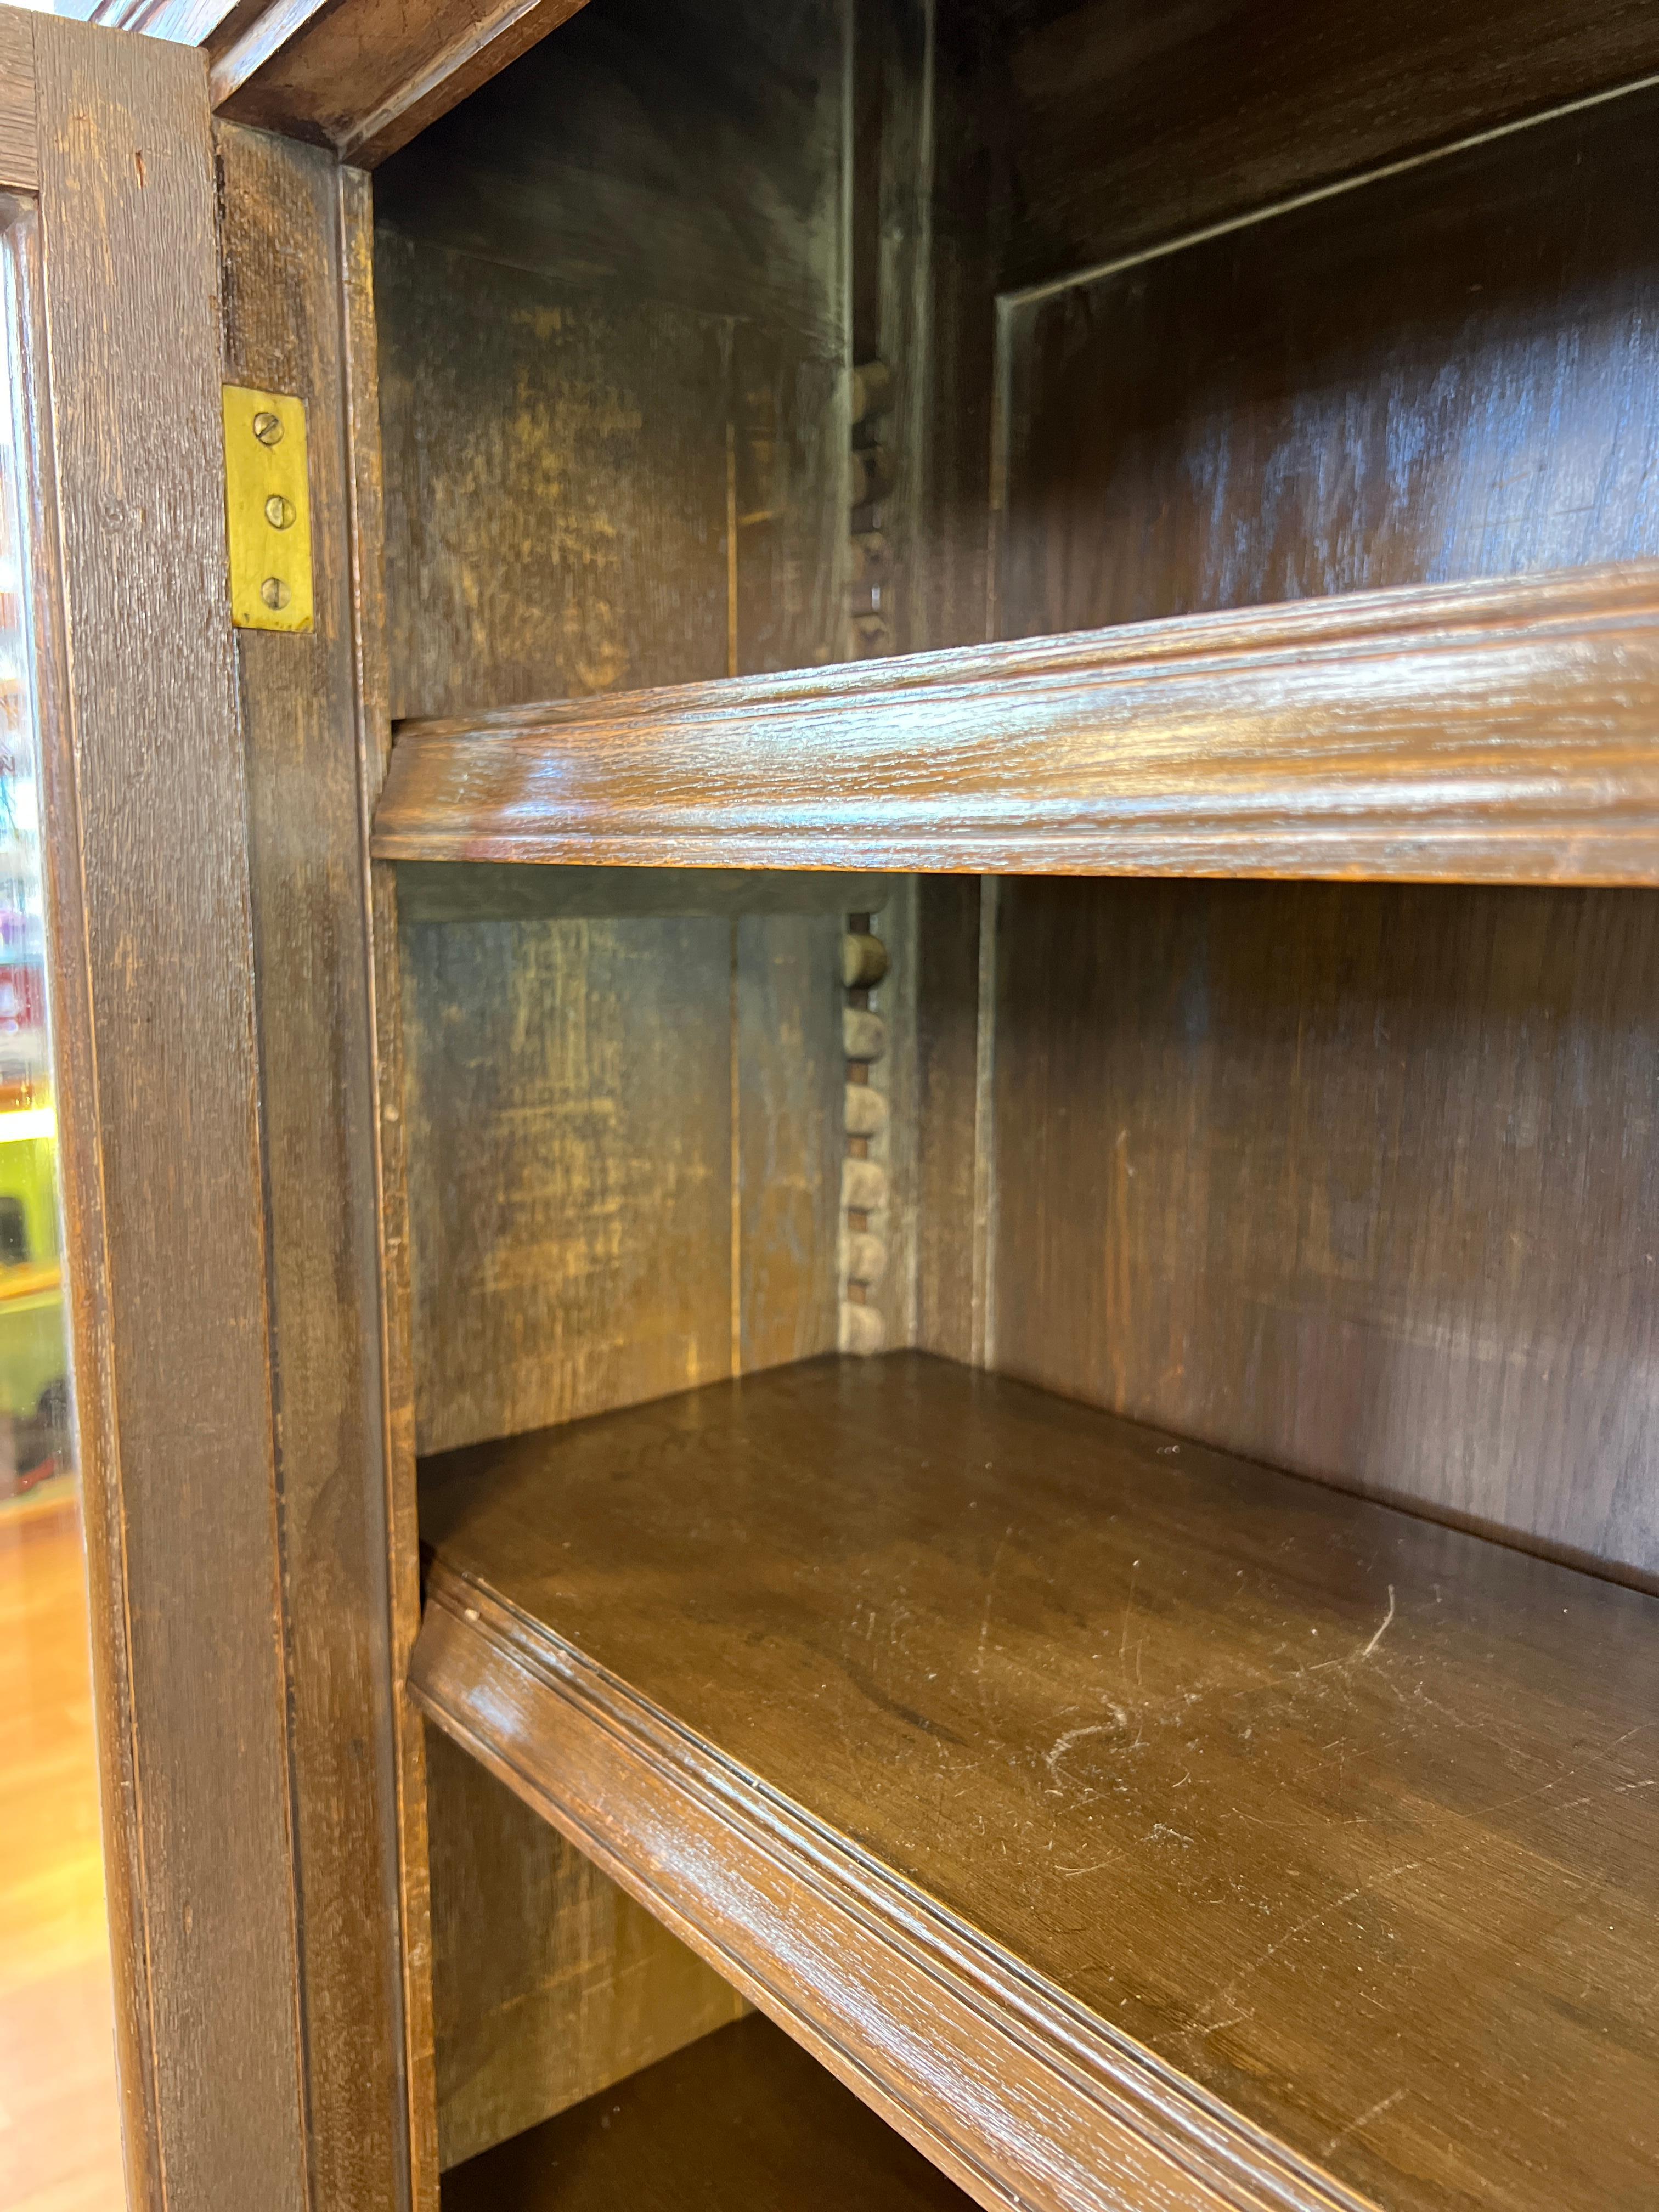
{"x":1485,"y":732}
{"x":1026,"y":2099}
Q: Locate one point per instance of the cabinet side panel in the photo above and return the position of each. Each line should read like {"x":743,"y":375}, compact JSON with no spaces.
{"x":570,"y":1113}
{"x":556,"y":484}
{"x":1357,"y":1180}
{"x":551,"y":1982}
{"x":614,"y":364}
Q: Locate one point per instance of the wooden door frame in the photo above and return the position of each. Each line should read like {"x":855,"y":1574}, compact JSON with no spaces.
{"x":204,"y":796}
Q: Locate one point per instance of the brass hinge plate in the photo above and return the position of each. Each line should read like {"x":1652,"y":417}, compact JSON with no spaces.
{"x":268,"y":505}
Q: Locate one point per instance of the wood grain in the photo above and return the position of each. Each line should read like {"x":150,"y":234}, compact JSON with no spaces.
{"x":365,"y":77}
{"x":20,"y":164}
{"x":1128,"y":124}
{"x":1493,"y":732}
{"x":743,"y":2119}
{"x":790,"y":1078}
{"x":1344,"y":1179}
{"x":444,"y":891}
{"x":1449,"y":375}
{"x":146,"y":807}
{"x":361,"y":401}
{"x":689,"y":152}
{"x":570,"y":1101}
{"x":966,"y":102}
{"x":947,"y":1147}
{"x":280,"y":243}
{"x":1024,"y":1690}
{"x":556,"y":494}
{"x":552,"y":1982}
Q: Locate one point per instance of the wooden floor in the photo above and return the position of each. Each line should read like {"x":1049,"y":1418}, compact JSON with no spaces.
{"x":59,"y":2144}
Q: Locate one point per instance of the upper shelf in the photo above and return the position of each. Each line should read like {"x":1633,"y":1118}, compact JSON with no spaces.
{"x":1487,"y":733}
{"x":1128,"y":1823}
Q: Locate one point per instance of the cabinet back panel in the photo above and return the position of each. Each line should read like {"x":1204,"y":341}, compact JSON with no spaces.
{"x":1129,"y":122}
{"x":1358,"y":1180}
{"x":1446,"y":375}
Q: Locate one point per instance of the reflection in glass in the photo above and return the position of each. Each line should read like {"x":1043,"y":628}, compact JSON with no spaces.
{"x":34,"y":1434}
{"x":59,"y":2129}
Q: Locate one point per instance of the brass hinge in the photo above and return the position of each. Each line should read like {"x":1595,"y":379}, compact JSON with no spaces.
{"x":268,"y":504}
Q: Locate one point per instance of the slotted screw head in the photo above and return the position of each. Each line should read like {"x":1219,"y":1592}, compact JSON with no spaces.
{"x":275,"y":593}
{"x":268,"y":427}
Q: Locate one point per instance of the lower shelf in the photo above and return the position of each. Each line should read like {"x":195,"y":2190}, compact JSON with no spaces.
{"x":1127,"y":1824}
{"x":740,"y":2121}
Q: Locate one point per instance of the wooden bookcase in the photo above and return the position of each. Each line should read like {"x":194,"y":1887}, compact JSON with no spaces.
{"x":1024,"y":646}
{"x":953,"y":937}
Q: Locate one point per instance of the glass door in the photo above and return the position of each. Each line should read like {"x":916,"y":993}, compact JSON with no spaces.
{"x":60,"y":2144}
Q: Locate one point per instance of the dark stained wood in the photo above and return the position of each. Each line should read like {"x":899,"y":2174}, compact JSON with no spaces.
{"x":1127,"y":1822}
{"x":556,"y":493}
{"x":280,"y":244}
{"x":569,"y":1104}
{"x":1378,"y":390}
{"x":615,"y":385}
{"x":788,"y":500}
{"x":550,"y":1983}
{"x":588,"y":1228}
{"x":1132,"y":124}
{"x":361,"y":400}
{"x":152,"y":962}
{"x":742,"y":2120}
{"x":1345,"y":1179}
{"x":366,"y":77}
{"x":1497,"y":732}
{"x":19,"y":167}
{"x":946,"y":599}
{"x":948,"y":1153}
{"x":790,"y":1079}
{"x":445,"y":891}
{"x":362,"y":78}
{"x":615,"y":405}
{"x":685,"y":151}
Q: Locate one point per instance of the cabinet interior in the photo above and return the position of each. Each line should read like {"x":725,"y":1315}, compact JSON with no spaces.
{"x":1174,"y":314}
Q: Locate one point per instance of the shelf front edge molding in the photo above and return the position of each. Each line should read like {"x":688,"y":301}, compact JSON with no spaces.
{"x":1502,"y":732}
{"x":1015,"y":2090}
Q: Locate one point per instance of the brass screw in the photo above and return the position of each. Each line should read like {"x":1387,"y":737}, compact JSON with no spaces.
{"x":268,"y":427}
{"x":275,"y":593}
{"x":279,"y":511}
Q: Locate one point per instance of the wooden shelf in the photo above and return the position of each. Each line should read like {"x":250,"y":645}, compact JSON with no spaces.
{"x":1488,"y":732}
{"x":1126,"y":1823}
{"x":739,"y":2121}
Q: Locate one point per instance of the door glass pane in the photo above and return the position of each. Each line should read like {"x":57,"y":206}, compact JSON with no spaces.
{"x":59,"y":2141}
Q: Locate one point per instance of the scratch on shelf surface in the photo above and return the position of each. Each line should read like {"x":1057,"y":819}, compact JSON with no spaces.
{"x":1383,"y":1626}
{"x":1372,"y":2113}
{"x":1074,"y":1736}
